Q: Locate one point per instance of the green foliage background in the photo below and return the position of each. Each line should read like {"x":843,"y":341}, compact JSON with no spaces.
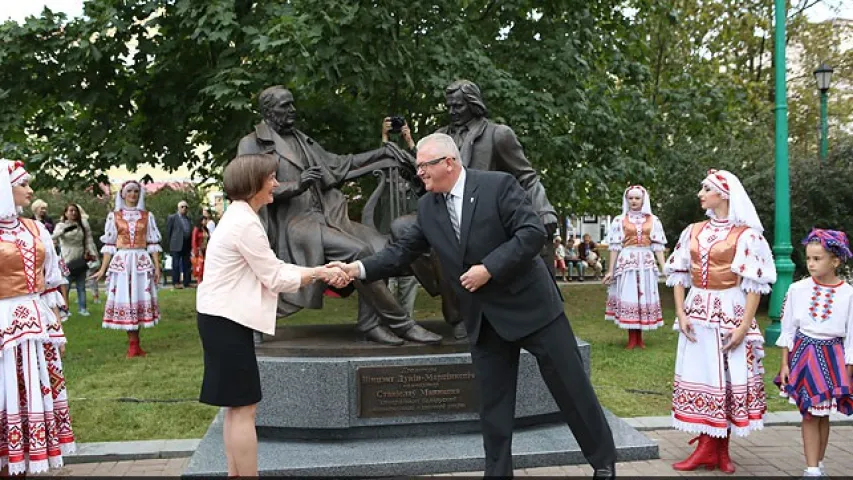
{"x":601,"y":94}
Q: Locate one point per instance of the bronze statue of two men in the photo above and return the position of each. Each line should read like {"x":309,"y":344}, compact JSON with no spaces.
{"x":308,"y":222}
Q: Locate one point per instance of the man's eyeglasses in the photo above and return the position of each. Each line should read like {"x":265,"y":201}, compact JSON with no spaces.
{"x":423,"y":165}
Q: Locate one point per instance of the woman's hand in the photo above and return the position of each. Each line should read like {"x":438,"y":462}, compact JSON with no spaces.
{"x":97,"y":276}
{"x":334,"y":276}
{"x":608,"y":279}
{"x":686,"y":327}
{"x":157,"y":275}
{"x":733,"y":339}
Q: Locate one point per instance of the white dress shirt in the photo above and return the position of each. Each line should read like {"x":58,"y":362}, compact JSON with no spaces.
{"x":458,"y":193}
{"x":242,"y":276}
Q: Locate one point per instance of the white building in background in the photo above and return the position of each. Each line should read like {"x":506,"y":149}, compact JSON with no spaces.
{"x":579,"y":225}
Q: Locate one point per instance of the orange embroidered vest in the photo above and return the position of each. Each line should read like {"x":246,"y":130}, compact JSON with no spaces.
{"x":22,"y":270}
{"x":140,"y":236}
{"x":716,"y":273}
{"x":629,"y":233}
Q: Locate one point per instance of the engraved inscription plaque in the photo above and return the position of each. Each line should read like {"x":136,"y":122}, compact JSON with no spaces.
{"x":416,"y":390}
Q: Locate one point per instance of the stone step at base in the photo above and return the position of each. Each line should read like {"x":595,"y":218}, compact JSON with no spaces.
{"x":541,"y":446}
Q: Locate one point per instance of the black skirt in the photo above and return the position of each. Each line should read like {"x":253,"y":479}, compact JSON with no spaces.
{"x":231,"y":377}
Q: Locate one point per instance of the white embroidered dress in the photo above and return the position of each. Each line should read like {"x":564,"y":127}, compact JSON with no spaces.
{"x":713,"y":391}
{"x":35,"y":423}
{"x":633,"y":299}
{"x":131,"y":236}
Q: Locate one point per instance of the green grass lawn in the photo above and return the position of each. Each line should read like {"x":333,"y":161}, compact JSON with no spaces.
{"x":113,"y":398}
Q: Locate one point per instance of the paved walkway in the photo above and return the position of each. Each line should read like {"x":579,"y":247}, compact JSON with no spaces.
{"x":774,"y":451}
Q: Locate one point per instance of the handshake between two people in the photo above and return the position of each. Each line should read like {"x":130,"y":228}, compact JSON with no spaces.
{"x":471,"y":280}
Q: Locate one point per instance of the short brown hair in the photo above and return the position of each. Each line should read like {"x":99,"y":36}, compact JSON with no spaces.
{"x":246,"y":174}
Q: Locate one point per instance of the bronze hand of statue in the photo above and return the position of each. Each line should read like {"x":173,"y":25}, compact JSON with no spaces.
{"x":549,"y":219}
{"x":309,"y":177}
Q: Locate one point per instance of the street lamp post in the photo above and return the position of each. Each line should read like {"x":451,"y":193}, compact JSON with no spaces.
{"x":823,"y":75}
{"x":782,"y":247}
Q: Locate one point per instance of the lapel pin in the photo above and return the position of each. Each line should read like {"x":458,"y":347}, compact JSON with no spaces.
{"x":471,"y":199}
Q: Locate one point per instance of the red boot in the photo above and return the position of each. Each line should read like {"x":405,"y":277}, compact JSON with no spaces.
{"x":724,"y":461}
{"x":133,"y":349}
{"x":632,"y":340}
{"x":639,"y":336}
{"x":705,"y":455}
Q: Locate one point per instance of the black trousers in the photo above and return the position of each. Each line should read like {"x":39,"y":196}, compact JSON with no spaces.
{"x":496,"y":369}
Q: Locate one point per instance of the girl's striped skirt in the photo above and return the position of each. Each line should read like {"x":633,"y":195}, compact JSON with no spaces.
{"x":818,"y":383}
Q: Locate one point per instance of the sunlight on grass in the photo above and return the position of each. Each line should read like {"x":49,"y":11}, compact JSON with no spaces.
{"x":113,"y":398}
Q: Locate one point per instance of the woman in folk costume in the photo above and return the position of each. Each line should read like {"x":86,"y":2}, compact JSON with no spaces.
{"x":817,"y":343}
{"x":132,"y":264}
{"x":635,"y":240}
{"x":727,"y":265}
{"x":35,"y":425}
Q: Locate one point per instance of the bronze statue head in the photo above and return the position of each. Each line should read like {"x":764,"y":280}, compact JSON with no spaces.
{"x":277,"y":109}
{"x":464,"y":102}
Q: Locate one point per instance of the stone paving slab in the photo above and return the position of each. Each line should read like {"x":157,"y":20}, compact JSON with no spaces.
{"x":136,"y":450}
{"x":776,"y":451}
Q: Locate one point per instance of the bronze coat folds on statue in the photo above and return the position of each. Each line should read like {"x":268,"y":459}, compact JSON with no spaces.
{"x":308,"y":223}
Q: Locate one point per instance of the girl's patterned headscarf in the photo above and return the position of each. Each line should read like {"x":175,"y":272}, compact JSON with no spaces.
{"x":833,"y":241}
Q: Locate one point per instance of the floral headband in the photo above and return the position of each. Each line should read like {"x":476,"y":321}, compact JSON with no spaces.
{"x":17,"y":174}
{"x":833,"y":241}
{"x":718,"y":182}
{"x":637,"y":188}
{"x":129,"y":183}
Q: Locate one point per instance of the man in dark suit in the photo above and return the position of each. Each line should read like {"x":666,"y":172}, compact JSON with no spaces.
{"x":487,"y":236}
{"x":489,"y":146}
{"x":179,"y":234}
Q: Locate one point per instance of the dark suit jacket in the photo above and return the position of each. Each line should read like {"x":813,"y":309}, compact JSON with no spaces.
{"x":499,"y":230}
{"x":177,"y":240}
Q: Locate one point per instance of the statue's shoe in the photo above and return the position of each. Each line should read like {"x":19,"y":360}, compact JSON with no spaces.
{"x":381,"y":334}
{"x":459,"y":332}
{"x":419,"y":334}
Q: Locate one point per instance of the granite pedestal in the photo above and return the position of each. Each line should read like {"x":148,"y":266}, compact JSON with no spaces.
{"x":325,"y":411}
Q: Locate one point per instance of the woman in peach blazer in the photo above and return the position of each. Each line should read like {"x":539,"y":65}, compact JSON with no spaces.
{"x":239,"y":296}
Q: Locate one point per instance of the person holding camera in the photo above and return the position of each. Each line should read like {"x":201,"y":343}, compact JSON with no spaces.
{"x":405,"y":289}
{"x":398,"y":125}
{"x":77,"y":248}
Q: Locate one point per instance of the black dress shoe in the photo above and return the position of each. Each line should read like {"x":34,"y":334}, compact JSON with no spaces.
{"x":380,"y":334}
{"x":459,"y":332}
{"x":419,"y":334}
{"x":608,"y":472}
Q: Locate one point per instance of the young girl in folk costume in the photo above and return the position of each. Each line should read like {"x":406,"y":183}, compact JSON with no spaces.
{"x":132,"y":263}
{"x":727,"y":264}
{"x":635,"y":240}
{"x":35,"y":425}
{"x":817,"y":343}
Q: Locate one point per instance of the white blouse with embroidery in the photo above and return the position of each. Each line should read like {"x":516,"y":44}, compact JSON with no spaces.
{"x":753,"y":260}
{"x":818,"y":311}
{"x":616,"y":234}
{"x":131,"y":216}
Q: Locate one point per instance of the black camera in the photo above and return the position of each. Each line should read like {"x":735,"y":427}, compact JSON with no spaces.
{"x":397,"y":124}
